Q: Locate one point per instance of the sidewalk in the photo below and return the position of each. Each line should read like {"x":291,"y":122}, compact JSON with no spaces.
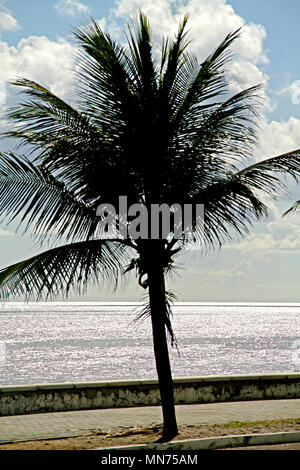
{"x":74,"y":423}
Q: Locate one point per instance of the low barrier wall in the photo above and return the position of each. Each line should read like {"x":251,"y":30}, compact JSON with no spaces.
{"x":26,"y":399}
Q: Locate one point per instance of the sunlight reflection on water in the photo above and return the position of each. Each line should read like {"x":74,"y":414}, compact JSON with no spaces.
{"x":64,"y":342}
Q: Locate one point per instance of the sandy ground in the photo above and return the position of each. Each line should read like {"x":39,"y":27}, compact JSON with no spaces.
{"x":141,"y":435}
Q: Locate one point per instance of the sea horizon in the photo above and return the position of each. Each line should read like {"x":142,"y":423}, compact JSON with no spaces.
{"x":134,"y":302}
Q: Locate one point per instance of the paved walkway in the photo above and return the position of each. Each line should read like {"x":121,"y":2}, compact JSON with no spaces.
{"x":74,"y":423}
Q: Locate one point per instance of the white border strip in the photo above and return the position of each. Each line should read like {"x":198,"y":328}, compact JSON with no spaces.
{"x":211,"y":443}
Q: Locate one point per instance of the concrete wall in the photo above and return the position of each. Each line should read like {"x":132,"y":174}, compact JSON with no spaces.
{"x":25,"y":399}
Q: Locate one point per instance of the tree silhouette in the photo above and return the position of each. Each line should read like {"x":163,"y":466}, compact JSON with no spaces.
{"x":157,"y":132}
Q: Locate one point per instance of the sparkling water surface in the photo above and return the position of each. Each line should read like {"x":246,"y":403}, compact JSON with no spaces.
{"x":92,"y":341}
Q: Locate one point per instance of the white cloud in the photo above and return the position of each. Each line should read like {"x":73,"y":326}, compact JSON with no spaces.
{"x":2,"y":94}
{"x":268,"y":243}
{"x":292,"y":90}
{"x":40,"y":59}
{"x":71,"y":7}
{"x":278,"y":137}
{"x":7,"y":21}
{"x":243,"y":74}
{"x":279,"y":235}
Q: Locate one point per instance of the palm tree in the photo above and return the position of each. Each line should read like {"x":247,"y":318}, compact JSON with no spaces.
{"x":156,"y":131}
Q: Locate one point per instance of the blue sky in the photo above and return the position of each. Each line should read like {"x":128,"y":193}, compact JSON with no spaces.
{"x":281,"y":44}
{"x":36,"y":42}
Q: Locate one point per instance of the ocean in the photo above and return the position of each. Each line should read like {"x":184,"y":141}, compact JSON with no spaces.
{"x":58,"y":342}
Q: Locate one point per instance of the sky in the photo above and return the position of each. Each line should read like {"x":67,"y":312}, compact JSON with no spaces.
{"x":36,"y":42}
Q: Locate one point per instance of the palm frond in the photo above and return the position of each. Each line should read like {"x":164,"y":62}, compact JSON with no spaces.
{"x":230,"y":208}
{"x":42,"y":202}
{"x":206,"y":82}
{"x":105,"y":84}
{"x":45,"y":117}
{"x":140,"y":59}
{"x":210,"y":138}
{"x":63,"y":268}
{"x":263,"y":174}
{"x":172,"y":62}
{"x":68,"y":144}
{"x":145,"y":312}
{"x":62,"y":139}
{"x":293,"y":209}
{"x":216,"y":143}
{"x":231,"y":205}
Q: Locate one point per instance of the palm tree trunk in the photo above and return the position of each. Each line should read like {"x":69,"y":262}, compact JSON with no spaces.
{"x":158,"y":311}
